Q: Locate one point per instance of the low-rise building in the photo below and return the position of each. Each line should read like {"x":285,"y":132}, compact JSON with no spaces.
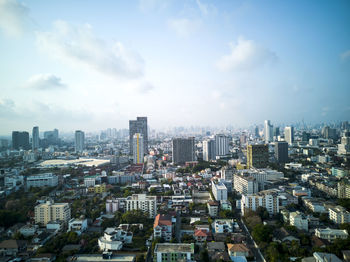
{"x":238,"y":250}
{"x":51,"y":211}
{"x":42,"y":180}
{"x":213,"y":208}
{"x":223,"y":225}
{"x":299,"y":220}
{"x":331,"y":234}
{"x":339,"y":215}
{"x":219,"y":191}
{"x":173,"y":252}
{"x":113,"y":239}
{"x":162,"y":227}
{"x":77,"y":225}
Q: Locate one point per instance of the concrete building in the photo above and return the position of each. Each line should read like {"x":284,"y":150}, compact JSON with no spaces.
{"x":20,"y":140}
{"x":245,"y":184}
{"x":281,"y":152}
{"x":223,"y":225}
{"x":142,"y":202}
{"x":339,"y":215}
{"x":183,"y":150}
{"x":79,"y":141}
{"x":173,"y":252}
{"x":42,"y":180}
{"x":343,"y":189}
{"x":221,"y":145}
{"x":138,"y":148}
{"x":138,"y":126}
{"x":267,"y":199}
{"x":219,"y":191}
{"x":268,"y":131}
{"x":50,"y":211}
{"x":113,"y":239}
{"x":289,"y":134}
{"x":299,"y":220}
{"x":331,"y":234}
{"x":77,"y":225}
{"x":213,"y":208}
{"x":209,"y":150}
{"x":35,"y":138}
{"x":344,"y":146}
{"x":163,"y":227}
{"x":257,"y":156}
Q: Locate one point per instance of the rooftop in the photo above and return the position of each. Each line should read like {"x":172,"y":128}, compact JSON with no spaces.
{"x":174,"y":248}
{"x":97,"y":258}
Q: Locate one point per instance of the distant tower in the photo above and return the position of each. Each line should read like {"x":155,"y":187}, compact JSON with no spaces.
{"x":79,"y":141}
{"x":221,"y":145}
{"x":209,"y":150}
{"x":257,"y":132}
{"x":20,"y":140}
{"x":268,"y":130}
{"x":183,"y":150}
{"x":289,"y":134}
{"x":138,"y":126}
{"x":138,"y":148}
{"x":281,"y":152}
{"x":35,"y":138}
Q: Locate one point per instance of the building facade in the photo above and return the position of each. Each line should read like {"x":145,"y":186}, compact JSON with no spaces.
{"x":138,"y":148}
{"x":138,"y":126}
{"x":257,"y":156}
{"x":50,"y":211}
{"x":79,"y":141}
{"x":142,"y":202}
{"x":183,"y":150}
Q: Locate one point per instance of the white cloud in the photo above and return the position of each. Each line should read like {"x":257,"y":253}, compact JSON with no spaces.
{"x":45,"y":82}
{"x":345,"y":55}
{"x":14,"y":17}
{"x":77,"y":45}
{"x":246,"y":55}
{"x":184,"y":26}
{"x":202,"y":7}
{"x":7,"y":108}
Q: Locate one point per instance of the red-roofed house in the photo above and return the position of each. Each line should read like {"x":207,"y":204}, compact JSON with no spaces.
{"x":163,"y":227}
{"x":237,"y":250}
{"x":201,"y":235}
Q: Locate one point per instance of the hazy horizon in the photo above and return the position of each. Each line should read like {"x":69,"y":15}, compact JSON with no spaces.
{"x":92,"y":65}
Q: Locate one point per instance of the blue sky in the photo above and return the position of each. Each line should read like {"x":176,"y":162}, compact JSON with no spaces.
{"x":96,"y":64}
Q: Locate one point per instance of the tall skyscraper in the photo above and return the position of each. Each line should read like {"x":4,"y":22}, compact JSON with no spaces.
{"x":281,"y":152}
{"x":79,"y":141}
{"x":289,"y":134}
{"x":257,"y":156}
{"x":257,"y":132}
{"x":221,"y":145}
{"x":209,"y":150}
{"x":276,"y":132}
{"x":138,"y":126}
{"x":138,"y":148}
{"x":20,"y":140}
{"x":183,"y":150}
{"x":268,"y":131}
{"x":35,"y":138}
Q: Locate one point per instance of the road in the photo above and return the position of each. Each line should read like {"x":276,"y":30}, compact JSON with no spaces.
{"x":251,"y":243}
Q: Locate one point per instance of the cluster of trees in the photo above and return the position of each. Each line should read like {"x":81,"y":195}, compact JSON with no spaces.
{"x":201,"y":166}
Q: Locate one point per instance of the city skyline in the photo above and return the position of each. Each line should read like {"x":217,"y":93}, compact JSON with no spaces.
{"x":94,"y":65}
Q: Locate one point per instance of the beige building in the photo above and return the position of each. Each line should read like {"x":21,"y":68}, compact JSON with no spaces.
{"x":142,"y":202}
{"x":50,"y":211}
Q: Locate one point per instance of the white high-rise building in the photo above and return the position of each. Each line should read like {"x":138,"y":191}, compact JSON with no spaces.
{"x":245,"y":184}
{"x":209,"y":150}
{"x":142,"y":202}
{"x":138,"y":148}
{"x":221,"y":145}
{"x":267,"y":199}
{"x":35,"y":138}
{"x":219,"y":191}
{"x":289,"y":134}
{"x":79,"y":141}
{"x":268,"y":131}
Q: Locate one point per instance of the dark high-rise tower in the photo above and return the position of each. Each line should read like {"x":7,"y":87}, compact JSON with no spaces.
{"x":281,"y":152}
{"x":35,"y":138}
{"x":138,"y":126}
{"x":183,"y":150}
{"x":20,"y":140}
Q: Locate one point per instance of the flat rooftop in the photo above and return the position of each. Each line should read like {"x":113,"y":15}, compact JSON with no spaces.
{"x":97,"y":258}
{"x":174,"y":248}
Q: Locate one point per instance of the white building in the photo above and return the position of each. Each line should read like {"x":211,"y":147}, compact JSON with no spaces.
{"x":299,"y":220}
{"x":113,"y":205}
{"x":79,"y":141}
{"x":268,"y":131}
{"x":47,"y":179}
{"x":223,"y":225}
{"x":174,"y":252}
{"x":138,"y":148}
{"x":163,"y":227}
{"x":221,"y":145}
{"x":331,"y":234}
{"x":289,"y":134}
{"x":219,"y":191}
{"x":209,"y":150}
{"x":245,"y":184}
{"x":339,"y":215}
{"x":142,"y":202}
{"x":113,"y":239}
{"x":267,"y":199}
{"x":77,"y":225}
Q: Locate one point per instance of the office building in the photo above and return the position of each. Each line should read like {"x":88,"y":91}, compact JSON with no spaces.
{"x":147,"y":204}
{"x":35,"y":138}
{"x":256,"y":132}
{"x":51,"y":137}
{"x":329,"y":133}
{"x":221,"y":145}
{"x":276,"y":133}
{"x":172,"y":252}
{"x":138,"y":148}
{"x":42,"y":180}
{"x":183,"y":150}
{"x":267,"y":199}
{"x":219,"y":191}
{"x":281,"y":152}
{"x":51,"y":211}
{"x":20,"y":140}
{"x":289,"y":134}
{"x":79,"y":141}
{"x":268,"y":131}
{"x":209,"y":150}
{"x":245,"y":184}
{"x":344,"y":146}
{"x":138,"y":126}
{"x":257,"y":156}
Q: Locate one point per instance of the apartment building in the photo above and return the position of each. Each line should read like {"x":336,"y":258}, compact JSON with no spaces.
{"x":339,"y":215}
{"x":41,"y":180}
{"x":142,"y":202}
{"x":163,"y":227}
{"x":331,"y":234}
{"x":299,"y":220}
{"x":245,"y":184}
{"x":51,"y":211}
{"x":173,"y":252}
{"x":219,"y":191}
{"x":267,"y":199}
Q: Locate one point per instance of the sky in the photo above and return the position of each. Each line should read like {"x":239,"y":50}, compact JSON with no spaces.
{"x":91,"y":65}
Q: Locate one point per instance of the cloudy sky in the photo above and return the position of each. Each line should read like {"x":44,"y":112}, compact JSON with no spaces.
{"x":96,"y":64}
